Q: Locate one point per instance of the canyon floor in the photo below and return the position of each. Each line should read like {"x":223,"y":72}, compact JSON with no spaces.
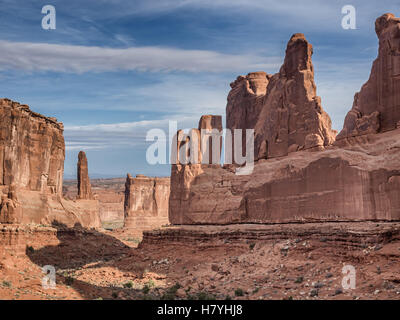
{"x":283,"y":261}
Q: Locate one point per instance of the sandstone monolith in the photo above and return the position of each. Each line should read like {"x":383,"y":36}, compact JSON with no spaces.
{"x":146,"y":202}
{"x":283,"y":109}
{"x":354,"y":179}
{"x":84,"y":188}
{"x":376,"y":107}
{"x":32,"y":153}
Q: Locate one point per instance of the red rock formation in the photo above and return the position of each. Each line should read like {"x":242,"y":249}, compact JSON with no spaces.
{"x":32,"y":155}
{"x":208,"y":124}
{"x":10,"y":209}
{"x":146,"y":202}
{"x":110,"y":194}
{"x":354,"y":182}
{"x":84,"y":188}
{"x":355,"y":179}
{"x":31,"y":149}
{"x":376,"y":107}
{"x":182,"y":175}
{"x":283,"y":109}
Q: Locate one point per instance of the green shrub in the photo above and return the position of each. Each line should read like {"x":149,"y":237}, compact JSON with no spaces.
{"x":30,"y":249}
{"x":239,"y":292}
{"x":128,"y":285}
{"x":299,"y":280}
{"x":205,"y":296}
{"x":69,"y":281}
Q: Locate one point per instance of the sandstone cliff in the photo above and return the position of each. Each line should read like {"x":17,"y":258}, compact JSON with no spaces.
{"x":376,"y":107}
{"x":32,"y":149}
{"x":355,"y":179}
{"x":182,"y":175}
{"x":146,"y":202}
{"x":283,"y":109}
{"x":32,"y":155}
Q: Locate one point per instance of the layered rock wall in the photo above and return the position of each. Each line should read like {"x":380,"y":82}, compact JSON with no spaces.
{"x":182,"y":175}
{"x":359,"y":180}
{"x":146,"y":202}
{"x":32,"y":152}
{"x":302,"y":173}
{"x":32,"y":149}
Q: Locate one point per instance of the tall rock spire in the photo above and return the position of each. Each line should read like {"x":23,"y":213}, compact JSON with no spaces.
{"x":376,"y":108}
{"x":84,"y":188}
{"x":283,"y":109}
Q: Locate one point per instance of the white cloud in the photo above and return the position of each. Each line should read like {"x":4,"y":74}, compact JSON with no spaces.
{"x":124,"y":134}
{"x":78,"y":59}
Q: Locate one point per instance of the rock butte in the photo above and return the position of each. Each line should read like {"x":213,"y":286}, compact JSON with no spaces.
{"x":146,"y":203}
{"x":303,"y":173}
{"x":32,"y":155}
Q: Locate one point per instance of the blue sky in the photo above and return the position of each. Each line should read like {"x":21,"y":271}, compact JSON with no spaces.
{"x":112,"y":70}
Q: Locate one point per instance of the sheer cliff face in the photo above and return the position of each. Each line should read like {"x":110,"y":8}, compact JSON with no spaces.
{"x":32,"y":153}
{"x":376,"y":107}
{"x":146,"y":202}
{"x":32,"y":149}
{"x":354,"y":179}
{"x":283,"y":109}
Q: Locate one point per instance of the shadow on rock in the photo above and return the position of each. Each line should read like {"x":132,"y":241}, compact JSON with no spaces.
{"x":78,"y":247}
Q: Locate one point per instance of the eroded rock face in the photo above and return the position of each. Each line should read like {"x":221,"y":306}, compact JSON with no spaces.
{"x":32,"y":153}
{"x":146,"y":202}
{"x":376,"y":107}
{"x":283,"y":109}
{"x":182,"y":175}
{"x":210,"y":124}
{"x":10,"y":209}
{"x":32,"y":149}
{"x":360,"y":180}
{"x":84,"y":188}
{"x":354,"y":179}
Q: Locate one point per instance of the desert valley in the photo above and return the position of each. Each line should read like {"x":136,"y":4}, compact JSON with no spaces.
{"x":316,"y":201}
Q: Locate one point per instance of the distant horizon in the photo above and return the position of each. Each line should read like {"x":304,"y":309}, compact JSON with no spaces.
{"x":94,"y":176}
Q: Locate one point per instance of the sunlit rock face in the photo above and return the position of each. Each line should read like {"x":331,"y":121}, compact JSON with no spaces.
{"x":32,"y":153}
{"x":376,"y":107}
{"x":302,"y":173}
{"x":146,"y":202}
{"x":84,"y":187}
{"x":283,"y":109}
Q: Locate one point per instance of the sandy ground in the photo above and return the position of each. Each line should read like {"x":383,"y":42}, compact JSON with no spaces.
{"x":208,"y":262}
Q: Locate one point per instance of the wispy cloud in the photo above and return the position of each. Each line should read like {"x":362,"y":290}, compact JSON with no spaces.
{"x":124,"y":134}
{"x":78,"y":59}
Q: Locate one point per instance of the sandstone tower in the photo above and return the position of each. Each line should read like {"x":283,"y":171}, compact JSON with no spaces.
{"x":84,"y":188}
